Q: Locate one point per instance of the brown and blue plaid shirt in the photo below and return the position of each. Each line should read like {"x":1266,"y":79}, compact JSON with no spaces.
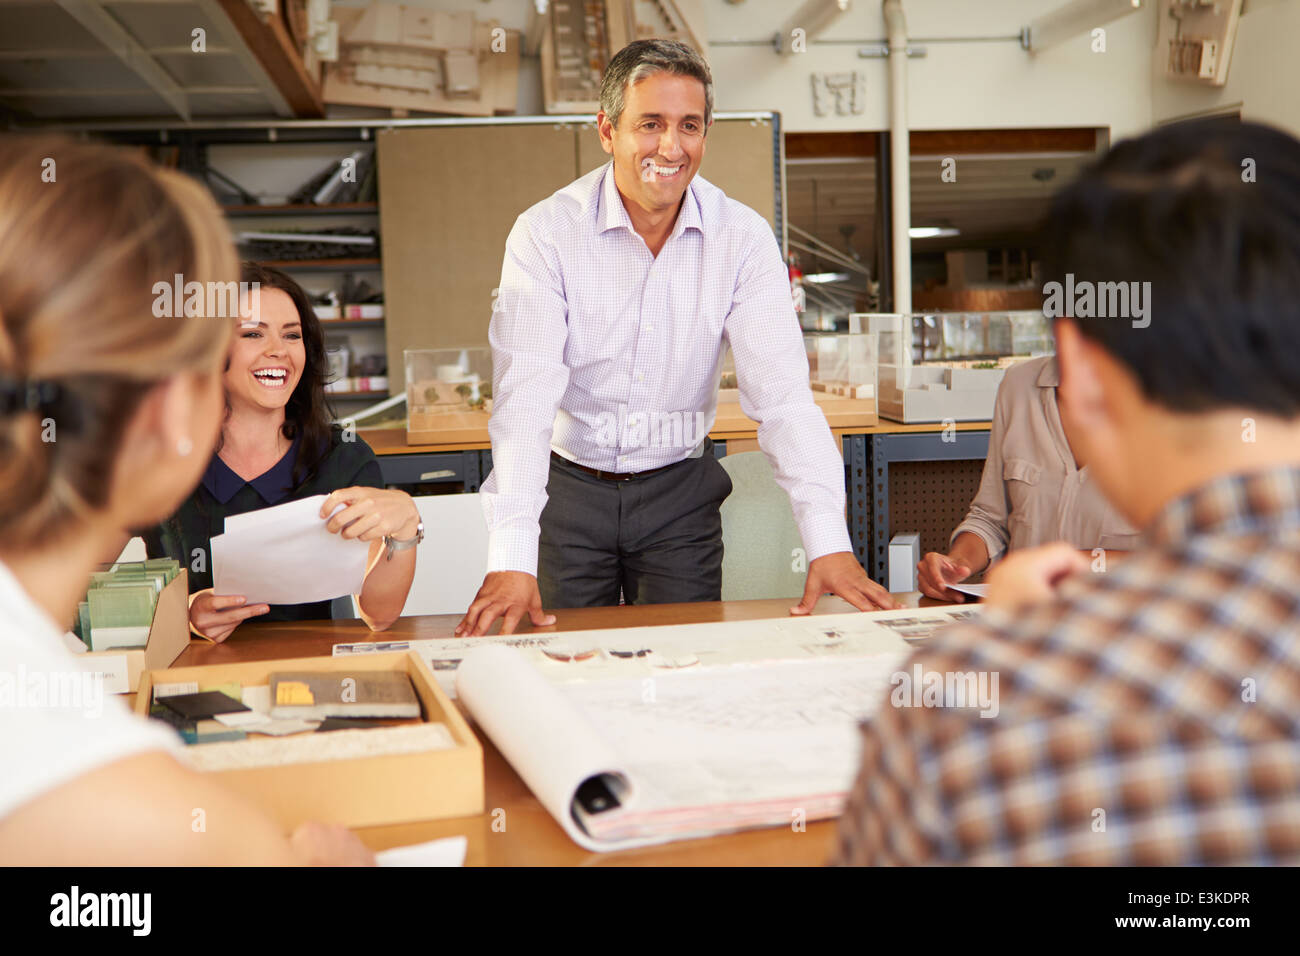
{"x":1149,"y":716}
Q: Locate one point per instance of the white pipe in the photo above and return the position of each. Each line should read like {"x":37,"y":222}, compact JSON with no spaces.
{"x":1075,"y":18}
{"x":372,"y":410}
{"x":900,"y":156}
{"x":900,"y":161}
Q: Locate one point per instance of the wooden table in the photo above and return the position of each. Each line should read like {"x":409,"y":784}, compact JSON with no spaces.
{"x":525,"y":834}
{"x":469,"y":429}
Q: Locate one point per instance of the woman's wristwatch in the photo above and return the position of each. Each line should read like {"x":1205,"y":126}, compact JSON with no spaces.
{"x":393,"y":545}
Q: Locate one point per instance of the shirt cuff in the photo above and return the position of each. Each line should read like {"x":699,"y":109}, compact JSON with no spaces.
{"x":823,"y":535}
{"x":512,"y":549}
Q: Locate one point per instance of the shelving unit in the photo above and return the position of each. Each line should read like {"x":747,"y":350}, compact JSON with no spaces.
{"x":374,"y":396}
{"x":301,"y":209}
{"x":325,"y":265}
{"x":351,"y":323}
{"x":349,"y":400}
{"x":277,"y":158}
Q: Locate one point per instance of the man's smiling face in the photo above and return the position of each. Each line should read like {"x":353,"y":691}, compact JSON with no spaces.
{"x":658,"y":144}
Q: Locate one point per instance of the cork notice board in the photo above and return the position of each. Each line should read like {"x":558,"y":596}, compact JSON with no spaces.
{"x":449,"y":195}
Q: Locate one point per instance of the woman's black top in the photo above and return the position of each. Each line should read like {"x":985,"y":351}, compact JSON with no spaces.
{"x":186,"y":535}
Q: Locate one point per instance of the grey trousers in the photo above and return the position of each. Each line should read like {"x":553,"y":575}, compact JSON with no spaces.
{"x":657,"y":539}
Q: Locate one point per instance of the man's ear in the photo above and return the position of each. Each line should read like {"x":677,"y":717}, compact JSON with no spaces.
{"x":1081,"y":383}
{"x":606,"y":131}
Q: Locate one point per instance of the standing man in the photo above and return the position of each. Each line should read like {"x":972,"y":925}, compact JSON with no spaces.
{"x":618,"y":295}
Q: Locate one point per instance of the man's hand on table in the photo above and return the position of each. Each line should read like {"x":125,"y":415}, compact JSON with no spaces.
{"x":508,"y":595}
{"x":1031,"y":575}
{"x":841,"y":575}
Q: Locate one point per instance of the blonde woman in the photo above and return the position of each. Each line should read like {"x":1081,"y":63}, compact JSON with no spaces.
{"x":108,"y":416}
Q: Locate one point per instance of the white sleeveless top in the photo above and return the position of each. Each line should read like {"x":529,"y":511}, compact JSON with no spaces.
{"x":56,"y":722}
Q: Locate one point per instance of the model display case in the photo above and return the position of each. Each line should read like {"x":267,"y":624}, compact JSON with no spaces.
{"x":842,"y":369}
{"x":843,"y":365}
{"x":446,"y":389}
{"x":948,"y":366}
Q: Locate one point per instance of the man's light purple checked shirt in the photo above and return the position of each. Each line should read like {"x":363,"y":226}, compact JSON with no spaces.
{"x":605,"y":354}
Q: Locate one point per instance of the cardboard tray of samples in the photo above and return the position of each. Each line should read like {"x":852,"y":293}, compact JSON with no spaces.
{"x":169,"y":634}
{"x":359,"y":792}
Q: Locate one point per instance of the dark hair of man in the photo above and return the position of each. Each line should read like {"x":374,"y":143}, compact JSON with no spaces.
{"x":1208,"y":212}
{"x":644,"y":58}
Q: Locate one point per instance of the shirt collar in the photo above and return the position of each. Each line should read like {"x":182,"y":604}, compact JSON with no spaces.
{"x":1049,"y":376}
{"x":273,"y":485}
{"x":613,"y":214}
{"x":1233,"y":504}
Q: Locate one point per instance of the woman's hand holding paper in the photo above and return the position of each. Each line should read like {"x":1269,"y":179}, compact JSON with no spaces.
{"x":371,"y":513}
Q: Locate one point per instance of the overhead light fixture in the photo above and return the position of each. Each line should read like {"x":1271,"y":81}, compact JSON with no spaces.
{"x":821,"y":277}
{"x":933,"y":232}
{"x":1072,"y":19}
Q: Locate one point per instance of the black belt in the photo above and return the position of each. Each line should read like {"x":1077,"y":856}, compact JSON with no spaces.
{"x":613,"y":475}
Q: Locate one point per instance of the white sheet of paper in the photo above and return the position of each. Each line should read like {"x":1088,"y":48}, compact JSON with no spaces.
{"x":242,"y":718}
{"x":448,"y":852}
{"x":284,"y":555}
{"x":974,"y":590}
{"x":257,"y":697}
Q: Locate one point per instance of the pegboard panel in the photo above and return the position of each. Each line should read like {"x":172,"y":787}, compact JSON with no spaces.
{"x":931,"y":497}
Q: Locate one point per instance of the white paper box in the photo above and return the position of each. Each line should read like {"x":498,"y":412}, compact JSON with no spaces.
{"x":904,"y":554}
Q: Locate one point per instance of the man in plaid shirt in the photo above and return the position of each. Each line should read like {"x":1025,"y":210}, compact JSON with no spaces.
{"x":1149,"y":713}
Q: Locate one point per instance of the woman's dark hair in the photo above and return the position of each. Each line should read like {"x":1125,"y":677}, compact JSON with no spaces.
{"x":308,"y":413}
{"x":1208,"y":212}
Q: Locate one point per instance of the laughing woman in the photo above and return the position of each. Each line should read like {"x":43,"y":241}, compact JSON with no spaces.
{"x":277,"y":445}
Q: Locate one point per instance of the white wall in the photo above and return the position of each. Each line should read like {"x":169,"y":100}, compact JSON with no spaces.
{"x":972,"y":85}
{"x":1263,"y":77}
{"x":967,"y":85}
{"x":956,"y":86}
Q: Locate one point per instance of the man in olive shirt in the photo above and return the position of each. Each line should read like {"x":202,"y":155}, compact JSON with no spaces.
{"x":1036,"y":488}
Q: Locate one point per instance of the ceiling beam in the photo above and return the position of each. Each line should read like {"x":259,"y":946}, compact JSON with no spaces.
{"x":21,"y":92}
{"x":239,"y":48}
{"x":292,"y":89}
{"x":64,"y":53}
{"x":105,"y":28}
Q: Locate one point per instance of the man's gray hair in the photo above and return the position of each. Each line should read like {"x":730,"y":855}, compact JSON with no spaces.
{"x":643,"y":58}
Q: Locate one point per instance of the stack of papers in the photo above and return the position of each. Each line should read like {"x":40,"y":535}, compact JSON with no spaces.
{"x":447,"y":852}
{"x":119,"y":606}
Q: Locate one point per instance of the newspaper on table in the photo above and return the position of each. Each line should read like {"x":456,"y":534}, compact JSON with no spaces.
{"x":695,"y":729}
